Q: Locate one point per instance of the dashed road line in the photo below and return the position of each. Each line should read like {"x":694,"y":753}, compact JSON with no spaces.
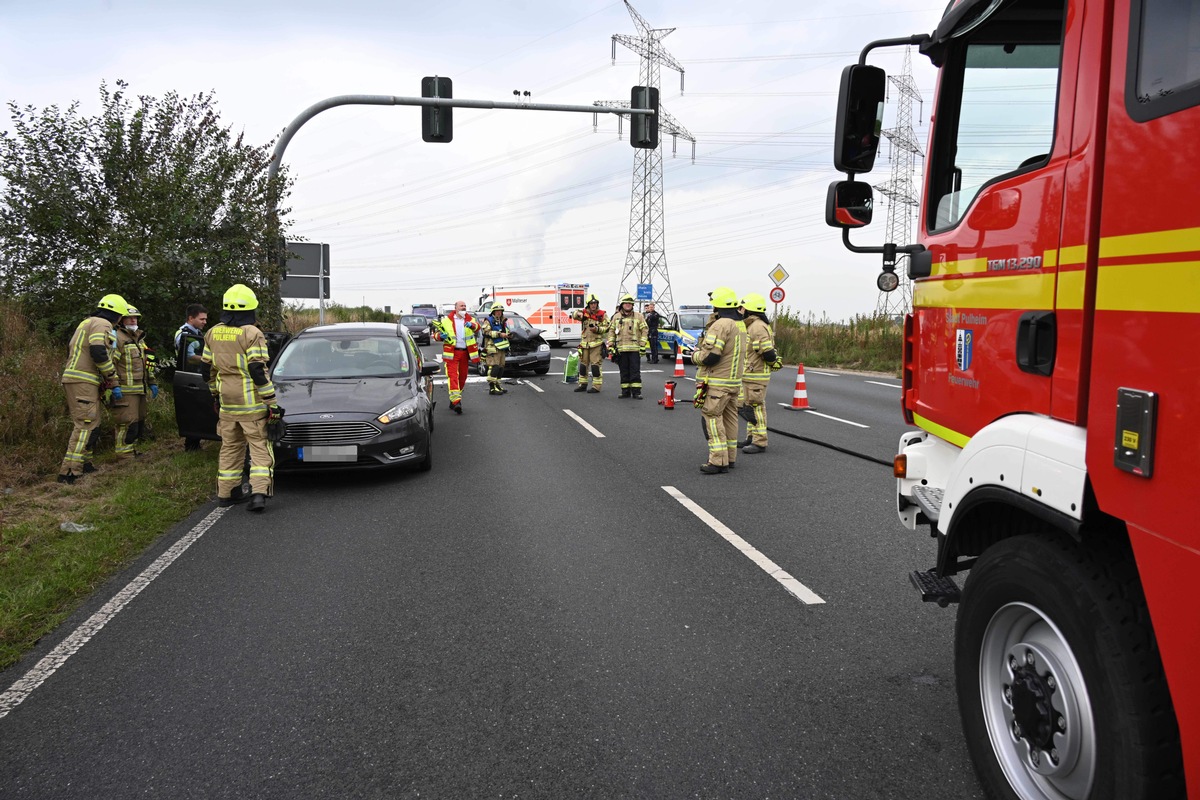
{"x":826,"y":416}
{"x":534,"y":386}
{"x":584,"y":423}
{"x":888,"y":385}
{"x":785,"y":579}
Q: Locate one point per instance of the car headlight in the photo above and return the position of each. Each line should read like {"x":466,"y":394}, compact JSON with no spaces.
{"x":543,"y":348}
{"x":398,"y":412}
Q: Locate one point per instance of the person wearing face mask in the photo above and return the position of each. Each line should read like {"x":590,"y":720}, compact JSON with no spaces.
{"x":136,"y":381}
{"x":459,"y":350}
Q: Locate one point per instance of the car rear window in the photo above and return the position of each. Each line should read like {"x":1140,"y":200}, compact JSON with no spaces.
{"x":344,"y":357}
{"x":414,"y":321}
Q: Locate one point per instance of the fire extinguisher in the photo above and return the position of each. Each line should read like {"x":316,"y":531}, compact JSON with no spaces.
{"x":668,"y":399}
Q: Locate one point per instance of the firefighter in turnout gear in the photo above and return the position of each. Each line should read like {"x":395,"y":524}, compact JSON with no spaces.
{"x":721,"y":356}
{"x":761,"y":360}
{"x":457,"y":335}
{"x":593,"y":329}
{"x":136,"y":381}
{"x":495,"y":348}
{"x":235,"y":366}
{"x":627,"y":339}
{"x":88,"y":371}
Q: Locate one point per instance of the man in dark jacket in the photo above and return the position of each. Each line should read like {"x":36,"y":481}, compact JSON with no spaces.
{"x":653,"y":320}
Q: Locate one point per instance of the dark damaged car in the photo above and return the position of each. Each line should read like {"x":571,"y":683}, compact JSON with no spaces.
{"x":526,"y":348}
{"x":355,"y":395}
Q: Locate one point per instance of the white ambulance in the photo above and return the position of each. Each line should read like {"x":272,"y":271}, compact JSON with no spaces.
{"x":546,"y":306}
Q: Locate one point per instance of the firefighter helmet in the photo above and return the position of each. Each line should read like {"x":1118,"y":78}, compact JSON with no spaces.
{"x":723,"y":297}
{"x":497,"y":306}
{"x":627,"y":298}
{"x":591,"y":298}
{"x":239,"y":297}
{"x":131,"y":311}
{"x":114,"y":302}
{"x":755,"y":302}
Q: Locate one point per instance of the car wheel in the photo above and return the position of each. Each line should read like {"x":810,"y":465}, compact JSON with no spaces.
{"x":426,"y":464}
{"x":540,"y":370}
{"x":1059,"y":681}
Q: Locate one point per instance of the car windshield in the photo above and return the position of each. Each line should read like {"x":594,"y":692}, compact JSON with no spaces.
{"x":413,"y":321}
{"x":358,"y":356}
{"x":691,"y":320}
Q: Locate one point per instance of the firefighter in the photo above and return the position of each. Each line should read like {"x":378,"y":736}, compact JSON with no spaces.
{"x":88,"y":370}
{"x":720,"y":356}
{"x":234,"y":364}
{"x":627,"y":340}
{"x":457,"y":335}
{"x":495,"y":348}
{"x":761,"y":361}
{"x":593,"y":329}
{"x":136,"y":381}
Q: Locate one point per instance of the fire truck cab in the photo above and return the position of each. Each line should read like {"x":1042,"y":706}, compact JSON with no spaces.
{"x":1055,"y":278}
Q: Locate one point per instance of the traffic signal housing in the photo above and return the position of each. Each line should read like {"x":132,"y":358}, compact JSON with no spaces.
{"x":643,"y":128}
{"x":437,"y":124}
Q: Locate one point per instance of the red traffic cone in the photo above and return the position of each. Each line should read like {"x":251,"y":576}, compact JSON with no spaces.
{"x":679,"y":373}
{"x":800,"y":396}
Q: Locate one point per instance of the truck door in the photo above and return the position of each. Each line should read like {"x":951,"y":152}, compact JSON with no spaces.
{"x":986,"y":330}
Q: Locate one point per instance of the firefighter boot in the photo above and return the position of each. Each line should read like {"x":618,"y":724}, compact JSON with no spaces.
{"x":258,"y":503}
{"x":637,"y":394}
{"x":582,"y":387}
{"x":235,"y":497}
{"x":67,"y":478}
{"x":753,"y":448}
{"x":713,"y":469}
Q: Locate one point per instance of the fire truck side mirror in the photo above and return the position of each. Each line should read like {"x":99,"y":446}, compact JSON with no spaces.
{"x":848,"y":204}
{"x":859,"y":118}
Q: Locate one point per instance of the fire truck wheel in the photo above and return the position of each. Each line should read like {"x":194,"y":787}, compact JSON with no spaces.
{"x":1059,"y":681}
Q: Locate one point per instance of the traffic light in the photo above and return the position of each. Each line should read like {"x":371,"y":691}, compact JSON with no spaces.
{"x":643,"y":128}
{"x":437,"y":124}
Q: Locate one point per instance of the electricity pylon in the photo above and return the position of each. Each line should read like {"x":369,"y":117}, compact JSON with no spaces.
{"x":646,"y":261}
{"x":900,"y":190}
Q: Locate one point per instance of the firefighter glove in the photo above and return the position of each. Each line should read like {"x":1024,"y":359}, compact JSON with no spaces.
{"x":153,"y":391}
{"x":116,"y":393}
{"x":776,"y":365}
{"x":274,"y":412}
{"x":701,"y":395}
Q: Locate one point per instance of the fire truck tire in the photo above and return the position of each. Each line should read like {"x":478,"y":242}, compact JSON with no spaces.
{"x":1059,"y":681}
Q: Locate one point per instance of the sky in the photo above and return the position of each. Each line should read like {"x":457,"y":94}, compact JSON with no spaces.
{"x":518,"y":197}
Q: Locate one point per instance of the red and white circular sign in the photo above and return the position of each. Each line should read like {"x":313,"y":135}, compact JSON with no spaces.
{"x":776,"y":295}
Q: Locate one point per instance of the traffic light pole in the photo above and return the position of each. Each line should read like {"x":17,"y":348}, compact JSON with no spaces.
{"x":436,"y":102}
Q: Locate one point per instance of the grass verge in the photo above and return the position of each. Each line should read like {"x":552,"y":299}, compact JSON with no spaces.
{"x":46,"y":572}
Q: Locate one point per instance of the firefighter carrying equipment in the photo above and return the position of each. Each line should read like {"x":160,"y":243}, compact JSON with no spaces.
{"x":723,"y":297}
{"x":239,"y":297}
{"x":276,"y":427}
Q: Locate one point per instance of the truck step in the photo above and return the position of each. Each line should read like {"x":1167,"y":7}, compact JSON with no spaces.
{"x":929,"y":500}
{"x":935,"y":588}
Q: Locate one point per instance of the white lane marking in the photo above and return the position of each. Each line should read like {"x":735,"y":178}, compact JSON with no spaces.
{"x":826,"y":374}
{"x":826,"y":416}
{"x":42,"y":670}
{"x":470,"y":379}
{"x":888,"y":385}
{"x":534,"y":386}
{"x":584,"y":423}
{"x":801,"y":592}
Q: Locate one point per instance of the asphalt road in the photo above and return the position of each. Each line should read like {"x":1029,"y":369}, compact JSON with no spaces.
{"x":547,"y":613}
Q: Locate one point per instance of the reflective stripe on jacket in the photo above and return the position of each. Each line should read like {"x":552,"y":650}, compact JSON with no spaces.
{"x":130,"y":362}
{"x":628,"y":334}
{"x":80,"y":367}
{"x":759,"y":334}
{"x":443,"y":331}
{"x":231,"y":350}
{"x":593,"y":328}
{"x":727,"y":338}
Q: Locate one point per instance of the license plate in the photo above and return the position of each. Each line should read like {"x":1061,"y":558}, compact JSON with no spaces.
{"x":342,"y":452}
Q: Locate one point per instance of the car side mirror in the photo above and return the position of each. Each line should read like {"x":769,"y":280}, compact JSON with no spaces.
{"x":430,"y":369}
{"x":859,"y":118}
{"x":848,"y":204}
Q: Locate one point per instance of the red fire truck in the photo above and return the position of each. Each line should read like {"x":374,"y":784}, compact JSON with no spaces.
{"x":1056,"y":408}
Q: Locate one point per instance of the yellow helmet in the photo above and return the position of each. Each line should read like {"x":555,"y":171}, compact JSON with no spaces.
{"x":497,"y":306}
{"x":723,"y":297}
{"x":754,"y":302}
{"x":627,"y":298}
{"x":131,"y":311}
{"x":592,"y":299}
{"x":240,"y":297}
{"x":114,"y":302}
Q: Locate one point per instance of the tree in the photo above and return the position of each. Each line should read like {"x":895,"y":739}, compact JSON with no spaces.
{"x":153,"y":200}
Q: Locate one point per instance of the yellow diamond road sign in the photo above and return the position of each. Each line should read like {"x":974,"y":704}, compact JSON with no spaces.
{"x":779,"y":274}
